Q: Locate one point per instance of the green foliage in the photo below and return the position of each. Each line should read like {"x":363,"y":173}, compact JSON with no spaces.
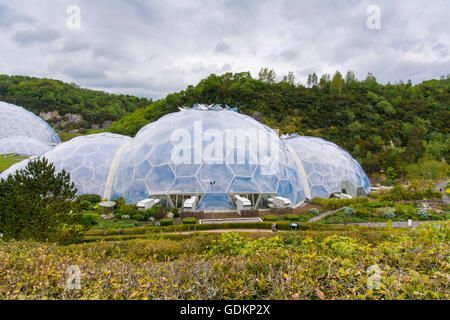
{"x":314,"y":211}
{"x":7,"y":160}
{"x":401,"y":193}
{"x":348,"y":211}
{"x":35,"y":203}
{"x":92,"y":198}
{"x":335,"y":203}
{"x":389,"y":225}
{"x":270,"y":217}
{"x":189,"y":220}
{"x":423,"y":213}
{"x":45,"y":95}
{"x":390,"y":174}
{"x":291,"y":217}
{"x":360,"y":116}
{"x":325,"y":264}
{"x":428,"y":169}
{"x":139,"y":217}
{"x":166,"y":222}
{"x":90,"y":218}
{"x":389,"y":214}
{"x":85,"y":205}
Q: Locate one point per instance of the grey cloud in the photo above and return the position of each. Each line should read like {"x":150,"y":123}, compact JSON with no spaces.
{"x":9,"y":18}
{"x":36,"y":36}
{"x":152,"y":48}
{"x":223,"y":47}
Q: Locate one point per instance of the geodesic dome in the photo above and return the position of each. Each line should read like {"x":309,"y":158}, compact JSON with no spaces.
{"x":147,"y":167}
{"x":87,"y":159}
{"x":23,"y":145}
{"x":15,"y":121}
{"x":327,"y":168}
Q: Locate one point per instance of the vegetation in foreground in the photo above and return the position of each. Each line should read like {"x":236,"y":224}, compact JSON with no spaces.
{"x":294,"y":265}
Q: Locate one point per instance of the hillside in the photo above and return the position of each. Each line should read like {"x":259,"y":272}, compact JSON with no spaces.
{"x":382,"y":126}
{"x":67,"y":106}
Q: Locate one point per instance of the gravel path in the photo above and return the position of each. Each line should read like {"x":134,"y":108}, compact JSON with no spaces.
{"x":440,"y":186}
{"x":323,"y":215}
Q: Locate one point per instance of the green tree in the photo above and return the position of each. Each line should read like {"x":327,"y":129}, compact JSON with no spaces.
{"x":267,"y":75}
{"x":336,"y":84}
{"x":35,"y":203}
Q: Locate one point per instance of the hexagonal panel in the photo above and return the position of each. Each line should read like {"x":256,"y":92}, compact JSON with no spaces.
{"x":214,"y":172}
{"x":160,"y":179}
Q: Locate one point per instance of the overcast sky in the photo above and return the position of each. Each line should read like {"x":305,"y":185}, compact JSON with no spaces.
{"x":151,"y":48}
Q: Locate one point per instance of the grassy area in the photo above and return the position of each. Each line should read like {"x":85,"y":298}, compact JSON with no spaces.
{"x":7,"y":160}
{"x":312,"y":264}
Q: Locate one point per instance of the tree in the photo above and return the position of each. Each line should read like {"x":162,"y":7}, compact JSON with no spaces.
{"x":336,"y":84}
{"x":267,"y":75}
{"x":390,"y":174}
{"x":290,"y":78}
{"x":312,"y":81}
{"x":35,"y":203}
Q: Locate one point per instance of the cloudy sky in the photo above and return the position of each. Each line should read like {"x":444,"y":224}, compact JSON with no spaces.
{"x":154,"y":47}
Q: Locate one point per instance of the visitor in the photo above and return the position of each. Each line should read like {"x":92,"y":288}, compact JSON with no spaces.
{"x":274,"y":227}
{"x":121,"y":231}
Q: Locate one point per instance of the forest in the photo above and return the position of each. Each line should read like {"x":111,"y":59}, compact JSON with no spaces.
{"x":381,"y":125}
{"x":47,"y":95}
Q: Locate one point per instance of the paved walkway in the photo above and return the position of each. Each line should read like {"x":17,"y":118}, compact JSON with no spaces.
{"x":225,"y":230}
{"x":323,"y":215}
{"x":440,"y":186}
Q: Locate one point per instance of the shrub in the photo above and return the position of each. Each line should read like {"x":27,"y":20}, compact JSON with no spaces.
{"x":139,"y":217}
{"x":159,"y":212}
{"x":348,"y":211}
{"x":291,"y":217}
{"x":314,"y":211}
{"x":166,"y":222}
{"x":389,"y":213}
{"x":334,"y":203}
{"x":423,"y":213}
{"x":176,"y":212}
{"x":270,"y":217}
{"x":90,"y":219}
{"x":92,"y":198}
{"x":125,"y":217}
{"x":189,"y":220}
{"x":85,"y":205}
{"x":170,"y":215}
{"x":389,"y":225}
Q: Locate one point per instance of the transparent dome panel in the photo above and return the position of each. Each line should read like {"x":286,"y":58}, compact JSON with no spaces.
{"x":207,"y":152}
{"x":326,"y":166}
{"x":24,"y":146}
{"x":16,"y":121}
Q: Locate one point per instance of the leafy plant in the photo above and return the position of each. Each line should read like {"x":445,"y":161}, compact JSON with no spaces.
{"x":348,"y":211}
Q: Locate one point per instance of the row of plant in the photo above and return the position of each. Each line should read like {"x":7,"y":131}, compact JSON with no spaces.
{"x":383,"y":211}
{"x":299,"y":265}
{"x":282,"y":225}
{"x":335,"y":203}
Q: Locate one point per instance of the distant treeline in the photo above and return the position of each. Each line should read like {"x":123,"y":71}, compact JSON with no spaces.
{"x":44,"y":95}
{"x":382,"y":126}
